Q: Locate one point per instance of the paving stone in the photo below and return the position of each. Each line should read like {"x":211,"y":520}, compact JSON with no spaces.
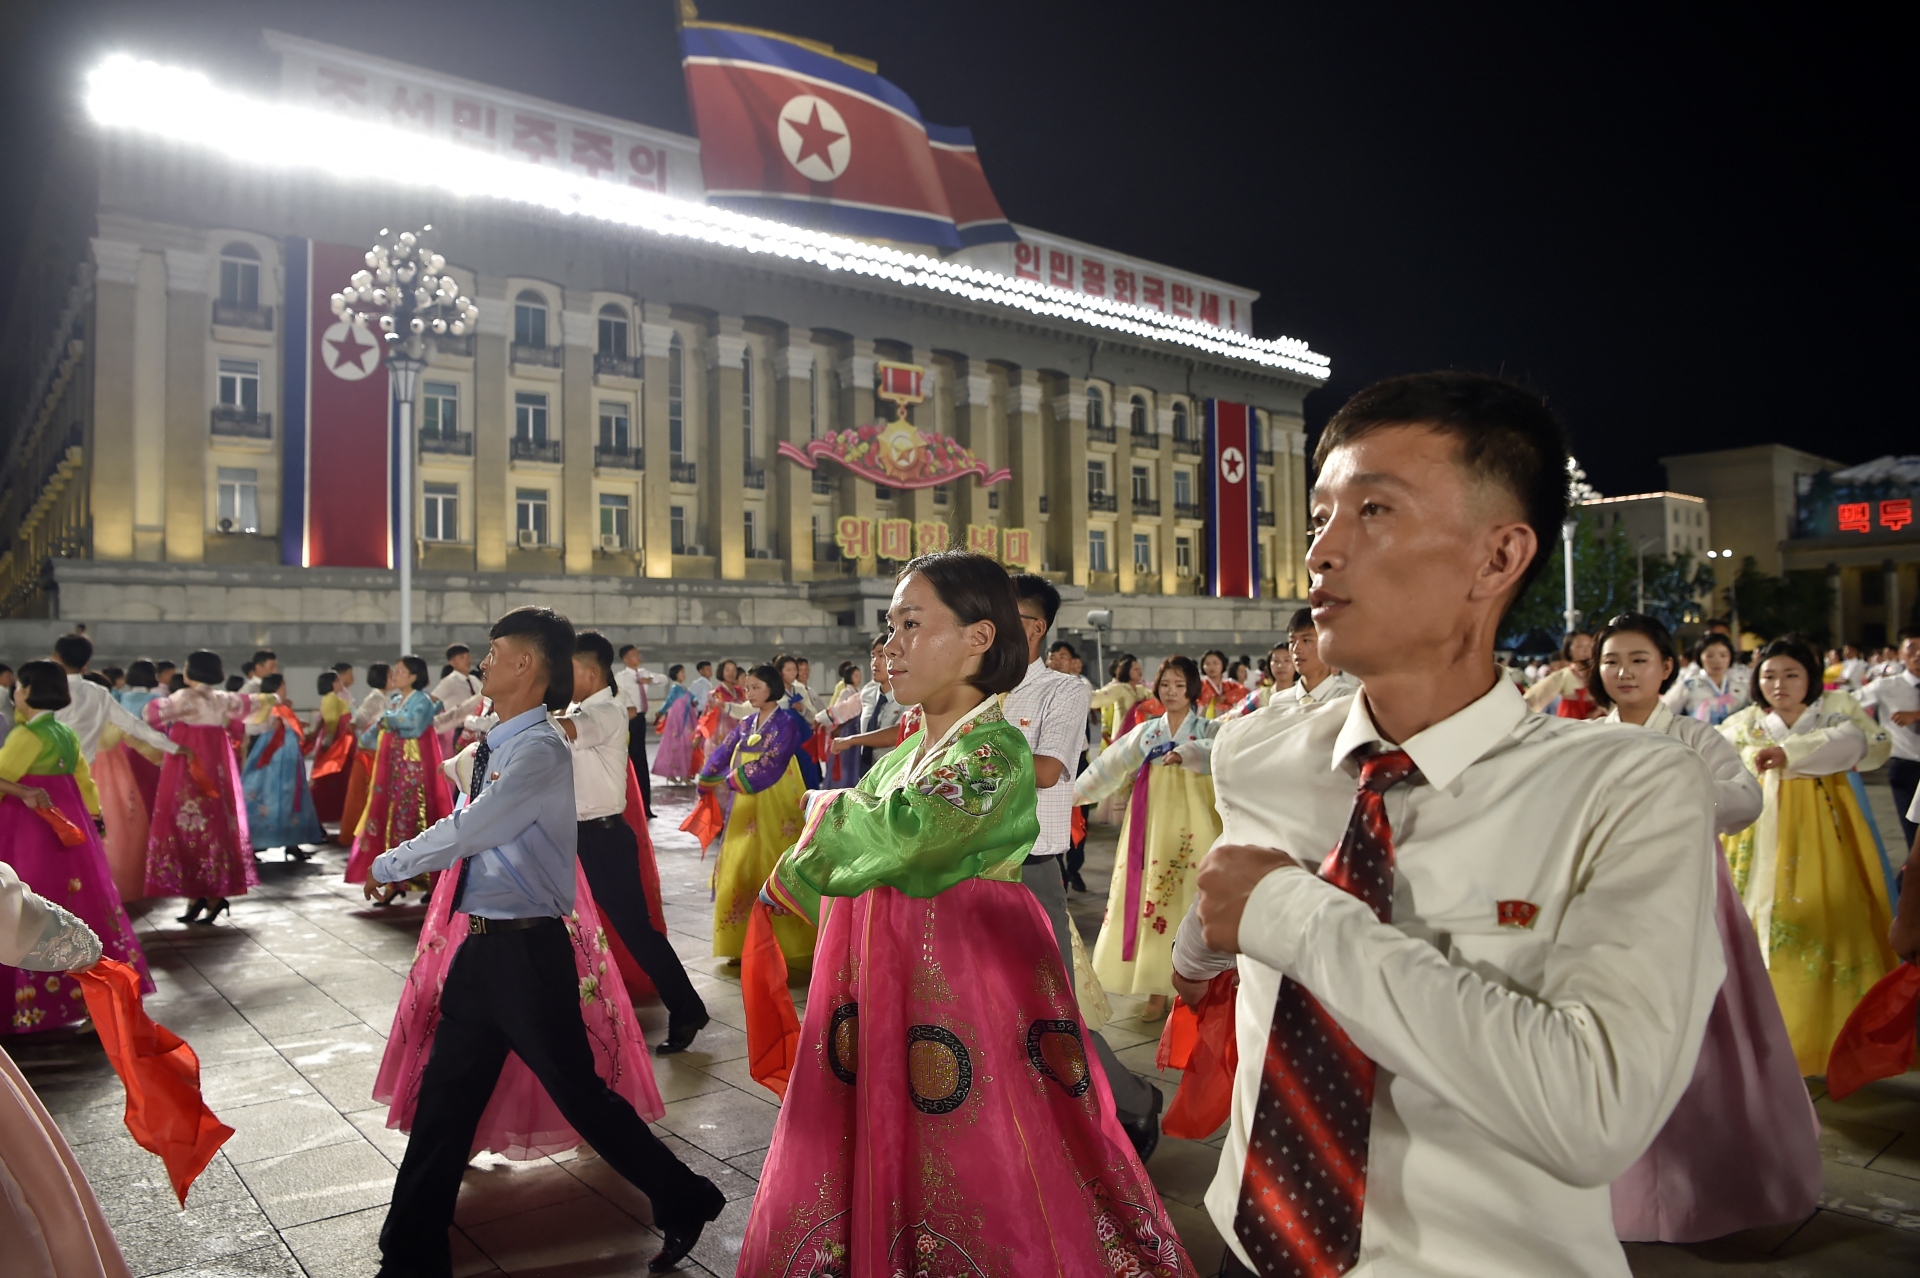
{"x":285,"y":1127}
{"x":582,"y":1235}
{"x":266,"y":1262}
{"x":143,"y":1194}
{"x":722,"y":1123}
{"x":496,"y":1188}
{"x":250,"y":1082}
{"x":201,"y":1236}
{"x":372,"y":1124}
{"x":317,"y":1183}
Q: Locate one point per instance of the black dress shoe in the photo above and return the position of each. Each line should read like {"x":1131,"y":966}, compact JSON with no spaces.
{"x":681,"y":1237}
{"x":193,"y":912}
{"x":680,"y":1036}
{"x":1145,"y":1132}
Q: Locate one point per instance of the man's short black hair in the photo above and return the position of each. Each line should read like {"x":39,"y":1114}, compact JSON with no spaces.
{"x":1032,"y":588}
{"x":1906,"y":633}
{"x":273,"y":683}
{"x":265,"y":654}
{"x":703,"y":665}
{"x":1061,"y":645}
{"x":1506,"y":436}
{"x":551,"y":635}
{"x":74,"y":651}
{"x":457,"y":650}
{"x":591,"y":643}
{"x":161,"y":667}
{"x":46,"y":685}
{"x":342,"y":667}
{"x":625,"y":648}
{"x":1302,"y":619}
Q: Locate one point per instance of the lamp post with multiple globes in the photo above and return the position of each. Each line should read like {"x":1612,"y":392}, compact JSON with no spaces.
{"x":405,"y":293}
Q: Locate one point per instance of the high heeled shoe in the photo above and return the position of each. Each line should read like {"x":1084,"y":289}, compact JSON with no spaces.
{"x":193,"y":911}
{"x":221,"y":906}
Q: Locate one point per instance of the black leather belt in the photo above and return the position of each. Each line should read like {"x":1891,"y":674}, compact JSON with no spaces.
{"x":477,"y":926}
{"x":605,"y":823}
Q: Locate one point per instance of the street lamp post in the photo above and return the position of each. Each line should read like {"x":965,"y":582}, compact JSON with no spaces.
{"x":1640,"y":571}
{"x":405,"y":292}
{"x":1566,"y":557}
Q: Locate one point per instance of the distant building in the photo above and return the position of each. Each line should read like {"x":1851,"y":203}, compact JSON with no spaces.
{"x":1751,"y":494}
{"x":1657,"y":523}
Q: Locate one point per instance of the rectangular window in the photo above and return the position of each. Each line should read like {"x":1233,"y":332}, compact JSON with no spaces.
{"x":239,"y":501}
{"x":440,"y":411}
{"x":240,"y":384}
{"x":1183,"y":488}
{"x":1183,"y":556}
{"x":239,"y":282}
{"x":746,"y":401}
{"x":1097,"y":550}
{"x":813,"y":404}
{"x":942,"y":494}
{"x":752,"y":531}
{"x":530,"y":516}
{"x":440,"y":521}
{"x":616,"y":526}
{"x":530,"y":417}
{"x":882,"y":493}
{"x":1096,"y":478}
{"x":529,"y":325}
{"x":676,"y":405}
{"x":1260,"y":495}
{"x":615,"y":427}
{"x":1143,"y":552}
{"x":613,"y":336}
{"x":677,"y":528}
{"x":1142,"y":484}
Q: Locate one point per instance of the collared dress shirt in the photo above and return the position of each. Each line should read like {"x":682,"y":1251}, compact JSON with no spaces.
{"x":1050,"y":709}
{"x":634,"y":683}
{"x":372,"y":706}
{"x":1332,"y":688}
{"x":702,"y":688}
{"x":1889,"y":695}
{"x":1736,"y":794}
{"x":459,"y":696}
{"x":599,"y":755}
{"x":92,"y":708}
{"x":1535,"y":1007}
{"x":521,"y":832}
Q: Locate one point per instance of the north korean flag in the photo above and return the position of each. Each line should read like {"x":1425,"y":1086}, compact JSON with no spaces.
{"x":1232,"y":555}
{"x":791,"y":131}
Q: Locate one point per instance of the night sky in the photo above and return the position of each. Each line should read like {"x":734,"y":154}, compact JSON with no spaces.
{"x":1681,"y":227}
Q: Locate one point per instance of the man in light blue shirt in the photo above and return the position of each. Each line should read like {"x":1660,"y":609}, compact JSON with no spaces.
{"x":512,"y":985}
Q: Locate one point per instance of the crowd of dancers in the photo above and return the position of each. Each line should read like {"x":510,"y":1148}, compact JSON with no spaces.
{"x":1575,"y":1004}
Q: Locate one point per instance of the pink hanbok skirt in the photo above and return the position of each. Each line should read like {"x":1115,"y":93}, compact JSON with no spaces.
{"x":521,"y":1121}
{"x":125,"y":811}
{"x":1742,"y":1148}
{"x":409,"y":793}
{"x":197,"y":843}
{"x":673,"y":758}
{"x":76,"y":878}
{"x":943,"y":1116}
{"x":51,"y":1225}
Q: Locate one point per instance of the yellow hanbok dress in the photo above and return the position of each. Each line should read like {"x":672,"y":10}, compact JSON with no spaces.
{"x":1169,"y":823}
{"x":759,"y":764}
{"x":1809,"y":869}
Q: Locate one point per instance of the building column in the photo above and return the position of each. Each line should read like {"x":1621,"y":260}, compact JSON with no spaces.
{"x":656,"y":499}
{"x":1292,"y":516}
{"x":578,"y":432}
{"x":188,"y":421}
{"x":1895,"y":618}
{"x":915,"y":505}
{"x":726,"y":453}
{"x":1837,"y":586}
{"x":973,"y":426}
{"x":1068,"y":518}
{"x":857,"y":406}
{"x":116,"y":342}
{"x":1027,"y":455}
{"x":492,"y":428}
{"x":792,"y":483}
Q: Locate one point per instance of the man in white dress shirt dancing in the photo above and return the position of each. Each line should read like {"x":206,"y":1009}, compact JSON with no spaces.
{"x":1482,"y":1008}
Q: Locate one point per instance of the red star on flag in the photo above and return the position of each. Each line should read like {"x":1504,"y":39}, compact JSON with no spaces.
{"x":349,"y":349}
{"x":815,"y":137}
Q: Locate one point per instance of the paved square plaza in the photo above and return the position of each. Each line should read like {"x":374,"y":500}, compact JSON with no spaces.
{"x":289,"y":1003}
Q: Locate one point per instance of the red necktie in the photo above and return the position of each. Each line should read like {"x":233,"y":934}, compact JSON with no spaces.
{"x":1305,"y":1182}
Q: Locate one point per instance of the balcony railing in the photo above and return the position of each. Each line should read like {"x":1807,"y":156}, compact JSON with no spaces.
{"x":619,"y":458}
{"x":685,"y":472}
{"x":1263,"y":457}
{"x":1108,"y":502}
{"x":1145,"y":439}
{"x":237,"y":315}
{"x":541,"y":356}
{"x":451,"y":443}
{"x":617,"y":365}
{"x":1186,"y":447}
{"x":1189,"y":510}
{"x":1102,"y":434}
{"x":1043,"y":503}
{"x":536,"y":450}
{"x":1146,"y":506}
{"x":454,"y":344}
{"x":1266,"y":519}
{"x":754,"y":477}
{"x":822,"y":485}
{"x":242,"y":423}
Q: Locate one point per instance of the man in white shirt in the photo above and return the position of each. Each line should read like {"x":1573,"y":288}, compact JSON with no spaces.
{"x":1315,"y":682}
{"x":459,"y":696}
{"x":1050,"y":709}
{"x":1895,"y":700}
{"x":701,"y":686}
{"x":1853,"y":667}
{"x":93,"y":707}
{"x":596,"y":727}
{"x":263,"y":663}
{"x":630,"y":682}
{"x":1454,"y":1042}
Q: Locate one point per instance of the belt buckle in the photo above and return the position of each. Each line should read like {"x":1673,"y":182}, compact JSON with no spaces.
{"x":476,"y":926}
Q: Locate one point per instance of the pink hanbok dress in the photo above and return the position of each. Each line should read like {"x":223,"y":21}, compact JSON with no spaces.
{"x":198,"y":844}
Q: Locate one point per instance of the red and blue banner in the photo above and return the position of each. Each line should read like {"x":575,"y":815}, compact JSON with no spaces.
{"x":1233,"y":554}
{"x":335,"y":504}
{"x":793,"y":132}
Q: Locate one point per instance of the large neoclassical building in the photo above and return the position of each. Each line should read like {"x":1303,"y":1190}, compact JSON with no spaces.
{"x":621,"y":433}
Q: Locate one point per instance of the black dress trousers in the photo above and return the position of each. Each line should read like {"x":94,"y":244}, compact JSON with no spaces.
{"x":611,"y":858}
{"x":516,"y":991}
{"x":637,"y":752}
